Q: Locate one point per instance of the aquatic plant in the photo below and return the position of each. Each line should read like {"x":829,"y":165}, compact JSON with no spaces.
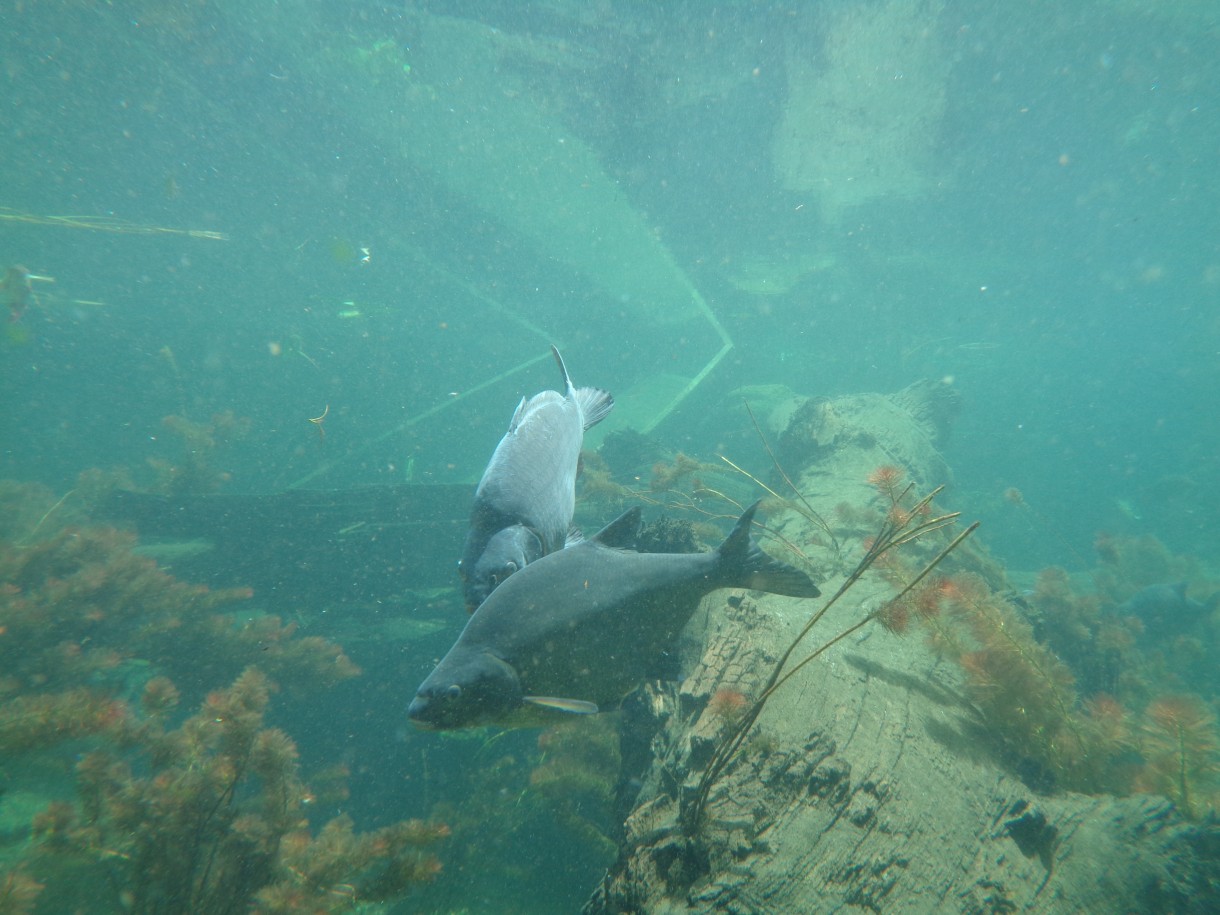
{"x":887,"y":480}
{"x":916,"y":523}
{"x":1181,"y":751}
{"x":18,"y":892}
{"x":1014,"y":496}
{"x":24,"y":507}
{"x":801,"y":505}
{"x":728,"y":704}
{"x":1028,"y":691}
{"x":75,"y":603}
{"x":1026,"y":694}
{"x":533,"y":815}
{"x":1127,"y":564}
{"x":597,"y":483}
{"x":86,"y":622}
{"x":1103,"y":650}
{"x":669,"y":535}
{"x":575,"y":779}
{"x":30,"y":722}
{"x":1053,"y":677}
{"x":211,"y":817}
{"x":665,"y":475}
{"x":80,"y":604}
{"x":199,"y":445}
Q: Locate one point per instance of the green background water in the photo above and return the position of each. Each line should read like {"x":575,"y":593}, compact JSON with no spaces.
{"x":1019,"y":199}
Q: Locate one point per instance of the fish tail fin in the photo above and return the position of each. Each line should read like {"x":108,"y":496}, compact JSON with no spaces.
{"x":743,"y":564}
{"x":595,"y":404}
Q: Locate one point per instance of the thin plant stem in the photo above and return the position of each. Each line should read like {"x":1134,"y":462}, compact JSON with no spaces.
{"x":813,"y":515}
{"x":890,"y":536}
{"x":34,"y":530}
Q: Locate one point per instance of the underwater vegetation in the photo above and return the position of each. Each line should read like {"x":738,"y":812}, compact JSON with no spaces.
{"x":552,"y":792}
{"x":198,"y":447}
{"x":640,"y":471}
{"x":676,"y":486}
{"x":1074,"y":692}
{"x":1181,"y":751}
{"x":144,"y":807}
{"x":668,"y":474}
{"x":78,"y":604}
{"x":1078,"y":694}
{"x":1024,"y":692}
{"x":575,"y":779}
{"x":909,"y":522}
{"x":211,"y":817}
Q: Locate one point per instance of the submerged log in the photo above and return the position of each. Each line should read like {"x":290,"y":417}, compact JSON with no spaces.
{"x":869,"y":782}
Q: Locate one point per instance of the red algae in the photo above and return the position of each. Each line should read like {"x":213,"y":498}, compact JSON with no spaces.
{"x":729,"y":704}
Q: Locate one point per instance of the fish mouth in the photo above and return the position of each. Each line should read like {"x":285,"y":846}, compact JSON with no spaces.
{"x":417,"y":711}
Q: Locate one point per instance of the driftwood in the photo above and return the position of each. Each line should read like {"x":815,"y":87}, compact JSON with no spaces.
{"x":866,"y":783}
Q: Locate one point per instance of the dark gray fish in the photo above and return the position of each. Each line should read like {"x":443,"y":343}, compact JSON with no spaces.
{"x":524,"y":503}
{"x":579,"y":628}
{"x":1165,"y":610}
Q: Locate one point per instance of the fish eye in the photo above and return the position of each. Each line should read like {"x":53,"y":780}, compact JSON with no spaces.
{"x":498,"y":578}
{"x":453,"y":692}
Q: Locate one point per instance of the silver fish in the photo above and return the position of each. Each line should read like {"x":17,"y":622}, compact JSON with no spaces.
{"x":523,"y":506}
{"x":578,"y":629}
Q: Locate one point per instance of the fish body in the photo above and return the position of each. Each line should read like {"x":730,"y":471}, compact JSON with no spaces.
{"x":525,"y":500}
{"x":578,"y":629}
{"x":1165,"y":610}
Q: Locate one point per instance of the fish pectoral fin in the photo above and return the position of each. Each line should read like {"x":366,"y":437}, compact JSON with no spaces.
{"x":518,"y":415}
{"x":573,"y":706}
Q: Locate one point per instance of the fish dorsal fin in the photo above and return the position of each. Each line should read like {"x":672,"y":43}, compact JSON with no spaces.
{"x":595,"y":404}
{"x":571,"y":706}
{"x":517,"y":415}
{"x":621,"y":532}
{"x":563,"y":369}
{"x":575,"y":536}
{"x":737,"y":544}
